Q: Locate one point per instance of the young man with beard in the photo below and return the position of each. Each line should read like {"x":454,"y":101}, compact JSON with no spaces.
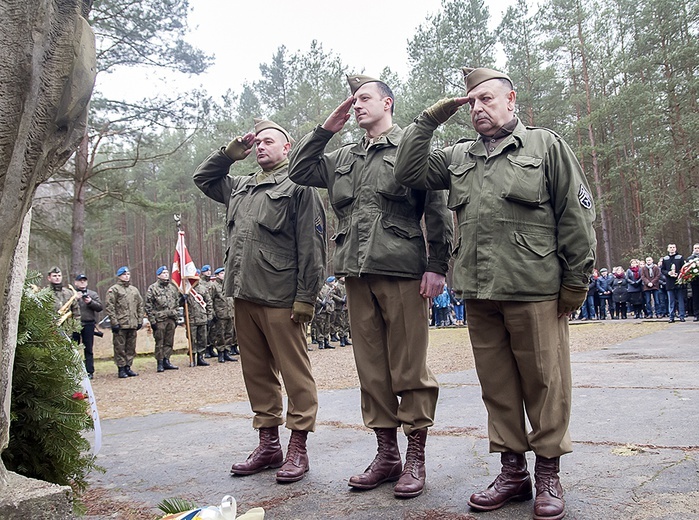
{"x":275,"y":263}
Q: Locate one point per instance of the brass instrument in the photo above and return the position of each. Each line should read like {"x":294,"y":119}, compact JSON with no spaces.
{"x":64,"y":312}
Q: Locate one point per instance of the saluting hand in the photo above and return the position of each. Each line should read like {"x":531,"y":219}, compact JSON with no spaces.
{"x":339,"y":116}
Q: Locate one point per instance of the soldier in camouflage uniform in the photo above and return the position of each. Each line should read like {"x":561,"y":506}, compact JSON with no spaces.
{"x":61,"y":295}
{"x":341,"y":315}
{"x":124,"y":306}
{"x":222,"y":325}
{"x":204,"y":287}
{"x":326,"y":312}
{"x":199,"y":318}
{"x":162,"y":304}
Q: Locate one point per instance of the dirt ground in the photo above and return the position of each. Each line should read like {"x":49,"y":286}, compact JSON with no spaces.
{"x":190,"y":388}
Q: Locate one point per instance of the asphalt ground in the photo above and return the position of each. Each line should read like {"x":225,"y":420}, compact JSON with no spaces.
{"x":635,"y":431}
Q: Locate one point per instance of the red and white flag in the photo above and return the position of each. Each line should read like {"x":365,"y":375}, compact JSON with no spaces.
{"x":184,"y":272}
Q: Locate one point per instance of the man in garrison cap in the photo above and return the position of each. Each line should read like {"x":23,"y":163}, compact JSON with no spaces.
{"x":525,"y":253}
{"x":275,"y":261}
{"x":64,"y":299}
{"x":162,"y":308}
{"x":390,"y":275}
{"x":124,"y":306}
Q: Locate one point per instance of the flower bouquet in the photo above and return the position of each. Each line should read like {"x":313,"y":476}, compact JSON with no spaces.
{"x":689,"y":272}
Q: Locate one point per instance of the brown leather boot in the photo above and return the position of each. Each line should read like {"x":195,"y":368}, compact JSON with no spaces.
{"x":548,"y":504}
{"x":513,"y":483}
{"x":268,"y":454}
{"x":386,"y":466}
{"x":412,"y":479}
{"x":296,"y":463}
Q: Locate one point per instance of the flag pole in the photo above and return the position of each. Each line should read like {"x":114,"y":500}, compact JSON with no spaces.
{"x":188,"y":328}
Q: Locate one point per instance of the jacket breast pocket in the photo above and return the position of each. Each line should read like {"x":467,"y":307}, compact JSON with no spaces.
{"x":342,"y":192}
{"x":387,"y":185}
{"x":461,"y":179}
{"x":273,"y":211}
{"x":526,"y":182}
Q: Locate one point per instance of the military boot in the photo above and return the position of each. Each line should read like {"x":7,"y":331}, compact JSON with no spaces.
{"x":333,"y":337}
{"x":129,"y":372}
{"x":268,"y":454}
{"x":122,"y":373}
{"x":342,"y":341}
{"x":296,"y":462}
{"x":513,"y":483}
{"x":228,"y":357}
{"x":201,"y":362}
{"x":412,"y":479}
{"x":221,"y":359}
{"x":386,"y":466}
{"x":328,"y":345}
{"x":234,"y":350}
{"x":347,"y":341}
{"x":169,"y":366}
{"x":209,"y":353}
{"x":161,"y":368}
{"x":549,"y":503}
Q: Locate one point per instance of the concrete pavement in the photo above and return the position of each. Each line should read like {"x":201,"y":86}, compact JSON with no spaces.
{"x":635,"y":427}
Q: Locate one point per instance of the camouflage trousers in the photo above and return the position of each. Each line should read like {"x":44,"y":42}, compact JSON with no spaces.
{"x":223,"y":334}
{"x":124,"y":343}
{"x":199,"y":338}
{"x":164,"y":335}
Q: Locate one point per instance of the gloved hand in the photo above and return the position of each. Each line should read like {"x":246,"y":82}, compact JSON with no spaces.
{"x":570,"y":299}
{"x":302,"y":312}
{"x":138,"y":327}
{"x":442,"y":110}
{"x":153,"y":327}
{"x":214,"y":320}
{"x":237,"y":149}
{"x":116,"y":327}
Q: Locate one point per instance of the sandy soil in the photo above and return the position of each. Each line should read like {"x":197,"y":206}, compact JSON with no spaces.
{"x":192,"y":387}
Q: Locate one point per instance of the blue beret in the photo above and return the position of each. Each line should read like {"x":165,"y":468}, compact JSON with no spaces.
{"x":219,"y":270}
{"x":198,"y":272}
{"x":205,"y":268}
{"x":330,"y":279}
{"x":122,"y":270}
{"x":161,"y":269}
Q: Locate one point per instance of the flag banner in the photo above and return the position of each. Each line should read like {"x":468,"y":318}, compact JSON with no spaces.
{"x":184,"y":272}
{"x":197,"y":297}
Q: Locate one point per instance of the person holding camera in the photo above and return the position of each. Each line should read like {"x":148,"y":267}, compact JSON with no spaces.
{"x":90,"y":307}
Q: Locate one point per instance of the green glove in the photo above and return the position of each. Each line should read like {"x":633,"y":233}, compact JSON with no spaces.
{"x":442,"y":110}
{"x":236,"y":149}
{"x":570,"y":298}
{"x":302,"y":312}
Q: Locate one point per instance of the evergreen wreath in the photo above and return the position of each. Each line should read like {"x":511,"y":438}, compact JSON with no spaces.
{"x":46,"y":418}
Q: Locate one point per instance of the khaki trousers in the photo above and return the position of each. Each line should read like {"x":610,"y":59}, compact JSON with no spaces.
{"x":271,"y":344}
{"x":389,"y":323}
{"x":522,"y":356}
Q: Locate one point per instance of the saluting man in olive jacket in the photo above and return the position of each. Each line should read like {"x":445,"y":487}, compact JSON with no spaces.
{"x":525,"y":254}
{"x":275,"y":263}
{"x":380,"y":250}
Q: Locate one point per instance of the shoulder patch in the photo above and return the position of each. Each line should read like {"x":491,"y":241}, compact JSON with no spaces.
{"x":584,"y":197}
{"x":318,"y":223}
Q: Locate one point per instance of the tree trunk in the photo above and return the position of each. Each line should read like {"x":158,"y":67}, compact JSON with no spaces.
{"x":77,"y":264}
{"x":45,"y":87}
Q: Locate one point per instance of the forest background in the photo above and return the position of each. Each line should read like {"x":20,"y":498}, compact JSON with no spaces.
{"x":619,"y":80}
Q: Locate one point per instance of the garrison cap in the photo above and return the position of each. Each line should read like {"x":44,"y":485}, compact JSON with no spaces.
{"x":55,"y":269}
{"x":474,"y":77}
{"x":357,"y":80}
{"x":264,"y":124}
{"x":122,"y":270}
{"x":160,"y":270}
